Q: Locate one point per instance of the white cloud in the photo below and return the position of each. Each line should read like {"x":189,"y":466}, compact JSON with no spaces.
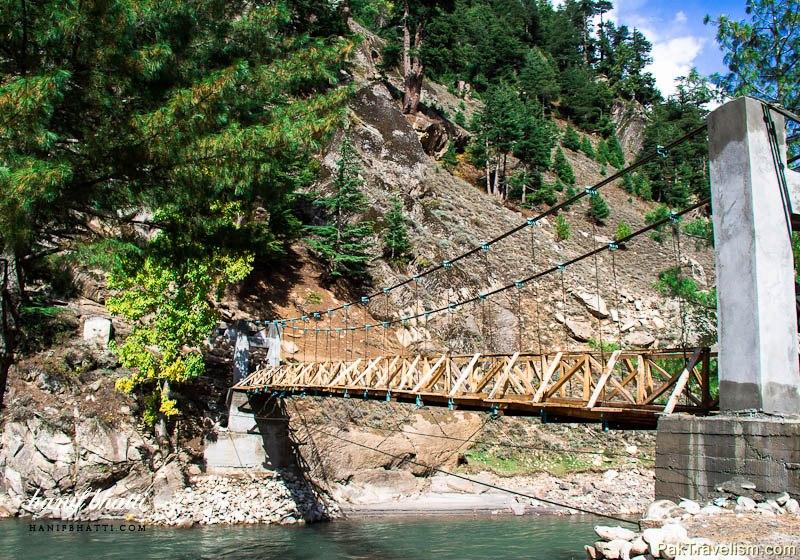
{"x":673,"y":58}
{"x":674,"y":51}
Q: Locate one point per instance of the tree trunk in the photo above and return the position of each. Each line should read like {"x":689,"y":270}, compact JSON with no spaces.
{"x":504,"y":183}
{"x":488,"y":172}
{"x":412,"y":65}
{"x":496,"y":186}
{"x":11,"y":294}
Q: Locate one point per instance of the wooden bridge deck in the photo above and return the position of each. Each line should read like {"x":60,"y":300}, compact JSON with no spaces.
{"x":625,"y":388}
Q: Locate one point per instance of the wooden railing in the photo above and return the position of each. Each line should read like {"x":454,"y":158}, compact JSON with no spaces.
{"x":625,"y":384}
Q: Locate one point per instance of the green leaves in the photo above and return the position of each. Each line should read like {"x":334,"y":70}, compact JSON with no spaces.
{"x":762,"y":53}
{"x":182,"y":127}
{"x":341,"y":241}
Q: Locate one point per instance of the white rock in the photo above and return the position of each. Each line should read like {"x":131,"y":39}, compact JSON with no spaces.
{"x":781,"y":499}
{"x":792,"y":506}
{"x":611,"y":550}
{"x":745,"y":503}
{"x":639,"y":338}
{"x":289,"y":347}
{"x":661,"y":510}
{"x":97,"y":330}
{"x":711,"y":510}
{"x":614,"y":533}
{"x":690,"y":506}
{"x":594,"y":304}
{"x":638,"y":546}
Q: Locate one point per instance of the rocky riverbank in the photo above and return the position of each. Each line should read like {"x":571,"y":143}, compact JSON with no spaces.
{"x":738,"y":523}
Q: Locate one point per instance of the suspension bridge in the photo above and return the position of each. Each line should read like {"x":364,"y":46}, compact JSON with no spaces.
{"x":739,"y":405}
{"x":624,"y":386}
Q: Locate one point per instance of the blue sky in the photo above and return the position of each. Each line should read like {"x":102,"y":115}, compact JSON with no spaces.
{"x":680,"y":40}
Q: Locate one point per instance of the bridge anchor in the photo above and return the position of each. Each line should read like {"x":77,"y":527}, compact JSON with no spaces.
{"x":757,"y":432}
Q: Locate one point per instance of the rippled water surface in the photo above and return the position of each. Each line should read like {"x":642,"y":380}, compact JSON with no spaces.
{"x":419,"y":538}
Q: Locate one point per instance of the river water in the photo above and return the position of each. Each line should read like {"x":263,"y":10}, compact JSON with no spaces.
{"x":395,"y":538}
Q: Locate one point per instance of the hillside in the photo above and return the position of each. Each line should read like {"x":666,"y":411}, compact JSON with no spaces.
{"x":67,"y":426}
{"x":449,"y":215}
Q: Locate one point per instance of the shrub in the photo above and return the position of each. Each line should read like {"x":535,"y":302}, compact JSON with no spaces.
{"x":562,"y":228}
{"x":623,"y":230}
{"x":598,"y":208}
{"x":656,"y":215}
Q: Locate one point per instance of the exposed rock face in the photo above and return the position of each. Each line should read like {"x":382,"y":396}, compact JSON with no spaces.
{"x":55,"y":459}
{"x":631,"y":121}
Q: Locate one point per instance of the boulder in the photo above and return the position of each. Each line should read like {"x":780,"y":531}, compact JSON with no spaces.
{"x":743,"y":503}
{"x":579,"y":330}
{"x":638,"y":546}
{"x":97,"y":330}
{"x":791,"y":506}
{"x":640,"y":339}
{"x":591,"y":552}
{"x":594,"y":303}
{"x":711,"y":509}
{"x":614,"y":533}
{"x":614,"y":550}
{"x":168,"y":481}
{"x":662,"y":510}
{"x":690,"y":506}
{"x":738,"y":486}
{"x":289,"y":347}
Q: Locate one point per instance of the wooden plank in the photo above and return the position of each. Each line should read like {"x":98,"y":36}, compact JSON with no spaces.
{"x":537,"y":397}
{"x":344,"y":373}
{"x":680,"y":385}
{"x":370,"y":366}
{"x":666,"y":386}
{"x":465,"y":373}
{"x":612,"y":361}
{"x":426,"y":379}
{"x":503,"y":379}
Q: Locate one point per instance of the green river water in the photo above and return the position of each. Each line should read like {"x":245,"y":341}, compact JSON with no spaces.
{"x":396,"y":538}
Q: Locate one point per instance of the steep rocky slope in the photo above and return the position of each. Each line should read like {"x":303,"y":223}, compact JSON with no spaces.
{"x":67,"y":430}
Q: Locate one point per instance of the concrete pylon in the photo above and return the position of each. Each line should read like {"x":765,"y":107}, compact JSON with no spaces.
{"x":757,"y":321}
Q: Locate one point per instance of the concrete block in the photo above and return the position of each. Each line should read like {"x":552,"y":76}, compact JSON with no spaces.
{"x":695,"y":454}
{"x":758,"y":365}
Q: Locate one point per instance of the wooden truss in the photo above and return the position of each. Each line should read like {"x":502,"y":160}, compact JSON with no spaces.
{"x":631,"y":386}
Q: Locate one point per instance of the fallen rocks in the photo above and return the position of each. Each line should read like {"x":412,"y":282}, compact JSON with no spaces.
{"x":614,"y":533}
{"x":639,"y":339}
{"x":664,"y":535}
{"x":663,"y":510}
{"x":278,"y":498}
{"x":594,"y":303}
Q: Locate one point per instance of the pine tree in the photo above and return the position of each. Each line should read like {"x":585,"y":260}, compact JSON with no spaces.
{"x":615,"y":157}
{"x":538,"y":78}
{"x":762,"y":54}
{"x":598,"y":208}
{"x":396,"y":245}
{"x":342,"y":242}
{"x":187,"y":109}
{"x":602,"y":152}
{"x":562,"y":168}
{"x":571,"y":140}
{"x":586,"y":147}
